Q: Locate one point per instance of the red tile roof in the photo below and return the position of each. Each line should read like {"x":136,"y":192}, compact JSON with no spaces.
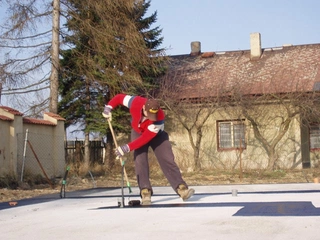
{"x":5,"y":118}
{"x":37,"y":121}
{"x":279,"y":70}
{"x":56,"y":116}
{"x":11,"y":110}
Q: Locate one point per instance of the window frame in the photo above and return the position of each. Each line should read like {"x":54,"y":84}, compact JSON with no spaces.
{"x":313,"y":149}
{"x":232,"y":140}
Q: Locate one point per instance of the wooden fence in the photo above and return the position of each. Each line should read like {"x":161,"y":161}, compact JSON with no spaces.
{"x":75,"y":151}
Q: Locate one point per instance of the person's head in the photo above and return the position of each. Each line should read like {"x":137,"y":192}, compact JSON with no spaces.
{"x":151,"y":108}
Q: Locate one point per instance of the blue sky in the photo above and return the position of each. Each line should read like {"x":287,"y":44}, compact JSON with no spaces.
{"x":225,"y":25}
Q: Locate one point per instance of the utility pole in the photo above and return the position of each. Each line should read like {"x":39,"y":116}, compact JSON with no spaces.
{"x":54,"y":76}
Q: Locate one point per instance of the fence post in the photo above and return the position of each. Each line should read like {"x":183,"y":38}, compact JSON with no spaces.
{"x":24,"y":154}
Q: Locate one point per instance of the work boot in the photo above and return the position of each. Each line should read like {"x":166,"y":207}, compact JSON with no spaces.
{"x":185,"y":192}
{"x":145,"y":197}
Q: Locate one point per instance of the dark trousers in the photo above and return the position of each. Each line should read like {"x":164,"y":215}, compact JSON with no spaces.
{"x":163,"y":151}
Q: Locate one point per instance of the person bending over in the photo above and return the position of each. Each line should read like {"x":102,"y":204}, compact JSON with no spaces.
{"x":148,"y":131}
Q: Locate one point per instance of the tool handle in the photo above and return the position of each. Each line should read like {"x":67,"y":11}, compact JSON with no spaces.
{"x":120,"y":158}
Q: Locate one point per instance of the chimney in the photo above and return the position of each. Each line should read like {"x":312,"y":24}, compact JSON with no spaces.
{"x":195,"y":48}
{"x":255,"y":46}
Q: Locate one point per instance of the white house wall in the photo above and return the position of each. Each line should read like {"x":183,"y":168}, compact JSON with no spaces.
{"x":253,"y":157}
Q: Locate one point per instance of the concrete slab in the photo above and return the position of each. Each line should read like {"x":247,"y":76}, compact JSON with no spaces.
{"x":263,"y":211}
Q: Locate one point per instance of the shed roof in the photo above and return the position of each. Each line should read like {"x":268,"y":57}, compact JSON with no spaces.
{"x":56,"y":116}
{"x":11,"y":110}
{"x":5,"y":118}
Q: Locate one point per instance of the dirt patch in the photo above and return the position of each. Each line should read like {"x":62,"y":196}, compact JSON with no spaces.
{"x":212,"y":177}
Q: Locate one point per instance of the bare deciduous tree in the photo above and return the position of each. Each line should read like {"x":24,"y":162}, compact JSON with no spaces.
{"x":55,"y":61}
{"x":183,"y":98}
{"x":276,"y":108}
{"x":28,"y":48}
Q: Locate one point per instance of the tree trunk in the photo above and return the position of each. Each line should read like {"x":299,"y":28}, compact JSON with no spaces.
{"x":272,"y":159}
{"x":197,"y":149}
{"x":86,"y":162}
{"x":110,"y":156}
{"x":54,"y":81}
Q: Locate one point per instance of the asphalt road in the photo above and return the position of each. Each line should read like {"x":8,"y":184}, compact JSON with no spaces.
{"x":268,"y":211}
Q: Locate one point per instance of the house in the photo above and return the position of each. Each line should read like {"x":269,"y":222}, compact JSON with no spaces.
{"x":263,"y":103}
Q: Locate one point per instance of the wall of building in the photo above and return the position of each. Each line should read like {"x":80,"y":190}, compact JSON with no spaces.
{"x":254,"y":156}
{"x":5,"y":153}
{"x":31,"y":146}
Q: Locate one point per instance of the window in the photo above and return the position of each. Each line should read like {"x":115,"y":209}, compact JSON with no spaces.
{"x":315,"y":137}
{"x":231,"y":135}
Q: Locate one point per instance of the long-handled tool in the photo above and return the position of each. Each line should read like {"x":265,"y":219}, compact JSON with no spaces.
{"x":121,"y":160}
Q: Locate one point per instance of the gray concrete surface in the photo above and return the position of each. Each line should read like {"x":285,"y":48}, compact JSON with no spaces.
{"x":271,"y":211}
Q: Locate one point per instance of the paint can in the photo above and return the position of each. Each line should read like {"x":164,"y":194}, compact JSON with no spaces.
{"x":234,"y":192}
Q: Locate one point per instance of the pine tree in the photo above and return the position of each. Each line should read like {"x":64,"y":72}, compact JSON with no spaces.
{"x":110,"y":53}
{"x":153,"y":40}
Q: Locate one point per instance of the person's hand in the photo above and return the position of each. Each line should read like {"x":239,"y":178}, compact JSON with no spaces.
{"x":120,"y":151}
{"x":107,"y":112}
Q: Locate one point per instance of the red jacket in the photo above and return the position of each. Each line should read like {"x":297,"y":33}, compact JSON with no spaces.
{"x":147,"y":128}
